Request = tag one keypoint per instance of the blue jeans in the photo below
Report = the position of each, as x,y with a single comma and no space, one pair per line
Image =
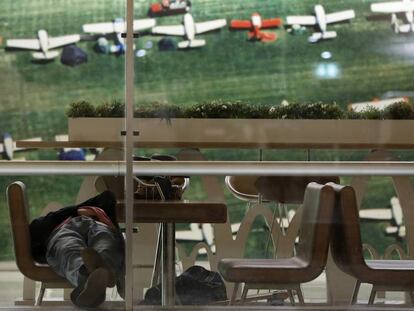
65,244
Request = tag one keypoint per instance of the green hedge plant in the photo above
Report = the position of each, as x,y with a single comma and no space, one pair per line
222,109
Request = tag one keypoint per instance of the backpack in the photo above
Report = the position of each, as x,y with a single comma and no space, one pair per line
195,286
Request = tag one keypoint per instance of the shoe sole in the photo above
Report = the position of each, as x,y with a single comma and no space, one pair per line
93,293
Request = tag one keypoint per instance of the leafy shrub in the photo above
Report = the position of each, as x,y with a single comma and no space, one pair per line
369,113
221,109
114,109
81,109
399,111
159,110
307,111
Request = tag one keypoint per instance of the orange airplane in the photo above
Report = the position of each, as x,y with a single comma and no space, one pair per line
255,24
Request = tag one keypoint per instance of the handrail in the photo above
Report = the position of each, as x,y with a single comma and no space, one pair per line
223,168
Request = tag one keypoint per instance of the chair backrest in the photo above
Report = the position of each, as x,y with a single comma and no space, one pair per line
19,219
243,187
346,244
315,230
288,189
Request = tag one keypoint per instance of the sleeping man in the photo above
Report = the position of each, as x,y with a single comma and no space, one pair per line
83,244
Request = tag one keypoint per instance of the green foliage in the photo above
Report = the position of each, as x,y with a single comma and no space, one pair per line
399,111
307,111
81,108
159,110
114,109
222,109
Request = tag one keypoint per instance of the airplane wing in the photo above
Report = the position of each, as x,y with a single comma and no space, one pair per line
142,24
29,44
240,24
392,7
270,23
177,30
62,40
210,25
101,28
306,20
339,16
375,214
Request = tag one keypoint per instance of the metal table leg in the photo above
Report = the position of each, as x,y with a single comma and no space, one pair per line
168,264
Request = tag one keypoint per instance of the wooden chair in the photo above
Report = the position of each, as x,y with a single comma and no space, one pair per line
306,265
19,219
347,252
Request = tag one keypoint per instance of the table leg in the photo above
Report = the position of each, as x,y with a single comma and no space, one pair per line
168,264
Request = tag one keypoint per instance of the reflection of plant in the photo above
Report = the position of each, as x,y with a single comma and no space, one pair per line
221,109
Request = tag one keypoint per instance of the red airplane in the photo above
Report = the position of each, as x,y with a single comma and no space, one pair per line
255,24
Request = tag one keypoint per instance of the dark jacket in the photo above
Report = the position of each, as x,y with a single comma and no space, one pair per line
42,227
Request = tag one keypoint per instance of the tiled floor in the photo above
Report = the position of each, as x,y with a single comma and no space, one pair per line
11,290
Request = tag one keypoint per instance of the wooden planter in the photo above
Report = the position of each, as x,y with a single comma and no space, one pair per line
250,133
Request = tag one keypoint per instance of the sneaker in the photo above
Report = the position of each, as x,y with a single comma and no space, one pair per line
92,261
92,293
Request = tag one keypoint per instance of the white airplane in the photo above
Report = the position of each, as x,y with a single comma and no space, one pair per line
321,19
393,214
117,27
377,104
189,29
404,6
43,43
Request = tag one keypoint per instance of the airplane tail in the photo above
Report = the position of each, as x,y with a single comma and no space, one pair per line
262,36
319,36
191,44
45,56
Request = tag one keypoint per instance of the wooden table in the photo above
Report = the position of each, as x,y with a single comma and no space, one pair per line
168,213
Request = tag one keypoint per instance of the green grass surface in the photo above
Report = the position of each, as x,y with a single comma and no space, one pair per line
33,97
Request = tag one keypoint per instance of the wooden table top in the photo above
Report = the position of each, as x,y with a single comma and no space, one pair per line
175,211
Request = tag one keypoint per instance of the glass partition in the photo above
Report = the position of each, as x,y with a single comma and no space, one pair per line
212,81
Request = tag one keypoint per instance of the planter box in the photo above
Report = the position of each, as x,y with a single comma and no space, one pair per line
250,133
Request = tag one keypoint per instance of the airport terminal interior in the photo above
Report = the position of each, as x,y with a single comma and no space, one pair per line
207,154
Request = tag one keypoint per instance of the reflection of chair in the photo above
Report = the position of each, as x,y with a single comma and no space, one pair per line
306,265
346,249
19,209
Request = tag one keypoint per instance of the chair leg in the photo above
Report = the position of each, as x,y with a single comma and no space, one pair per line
291,298
355,293
372,296
244,293
411,297
40,295
300,295
234,295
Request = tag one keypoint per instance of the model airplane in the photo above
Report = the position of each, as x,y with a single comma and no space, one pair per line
8,147
376,104
189,29
117,27
43,43
321,19
393,215
404,6
255,24
168,7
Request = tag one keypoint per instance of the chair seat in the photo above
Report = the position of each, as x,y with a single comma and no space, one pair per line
391,264
284,270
